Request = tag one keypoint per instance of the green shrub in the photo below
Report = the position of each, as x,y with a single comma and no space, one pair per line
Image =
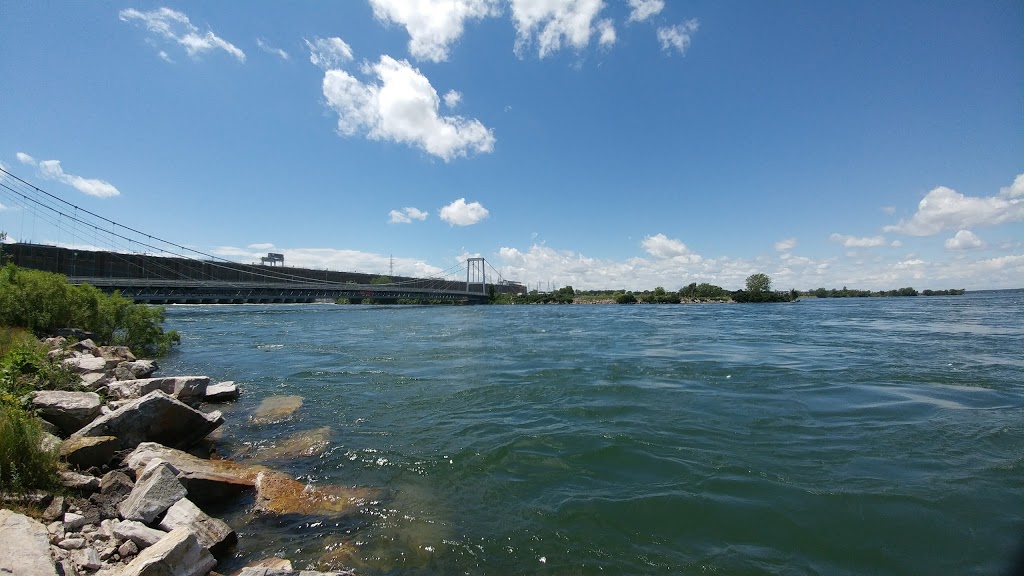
42,302
24,464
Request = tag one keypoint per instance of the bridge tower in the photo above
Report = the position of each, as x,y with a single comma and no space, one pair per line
476,275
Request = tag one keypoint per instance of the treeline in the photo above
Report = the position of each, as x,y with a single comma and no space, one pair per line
852,293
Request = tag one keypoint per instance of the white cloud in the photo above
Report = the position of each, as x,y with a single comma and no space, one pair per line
333,259
52,170
1014,190
165,56
946,209
328,53
176,27
261,246
452,98
606,37
643,9
459,213
896,244
858,242
402,107
661,246
271,50
406,215
3,208
964,240
785,245
552,23
433,25
677,37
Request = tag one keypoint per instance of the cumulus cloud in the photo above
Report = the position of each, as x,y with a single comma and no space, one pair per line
334,259
946,209
452,98
641,10
677,37
174,26
1014,190
661,246
406,215
964,240
52,170
402,106
433,25
328,53
858,242
271,50
785,245
606,36
459,213
554,23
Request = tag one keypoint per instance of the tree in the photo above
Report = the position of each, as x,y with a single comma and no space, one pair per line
759,283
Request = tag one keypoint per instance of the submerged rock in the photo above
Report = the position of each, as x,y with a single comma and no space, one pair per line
301,444
276,409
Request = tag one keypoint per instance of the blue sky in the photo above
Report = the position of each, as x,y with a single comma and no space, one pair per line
599,144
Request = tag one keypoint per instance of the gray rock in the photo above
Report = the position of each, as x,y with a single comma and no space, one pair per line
130,548
49,442
74,521
156,490
222,392
77,481
213,533
135,370
88,559
87,451
177,554
95,380
26,548
56,531
86,364
68,410
86,346
73,543
188,389
143,536
55,510
155,417
116,483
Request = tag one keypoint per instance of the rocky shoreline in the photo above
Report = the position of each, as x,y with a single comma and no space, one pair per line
139,482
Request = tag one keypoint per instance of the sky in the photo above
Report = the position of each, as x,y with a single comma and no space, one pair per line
602,144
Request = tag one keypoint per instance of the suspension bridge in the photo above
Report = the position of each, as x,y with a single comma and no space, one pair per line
115,257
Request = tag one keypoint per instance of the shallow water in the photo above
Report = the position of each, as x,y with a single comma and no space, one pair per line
860,436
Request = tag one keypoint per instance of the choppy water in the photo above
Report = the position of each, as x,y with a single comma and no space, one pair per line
862,436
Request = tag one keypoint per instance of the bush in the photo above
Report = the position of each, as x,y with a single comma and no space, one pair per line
24,464
42,302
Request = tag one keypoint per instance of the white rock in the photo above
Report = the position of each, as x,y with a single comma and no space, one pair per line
177,554
213,533
137,532
155,417
86,364
68,410
156,490
188,389
26,548
73,521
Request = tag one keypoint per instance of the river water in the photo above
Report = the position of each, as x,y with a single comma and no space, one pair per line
855,436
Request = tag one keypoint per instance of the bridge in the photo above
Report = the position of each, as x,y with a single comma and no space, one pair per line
150,270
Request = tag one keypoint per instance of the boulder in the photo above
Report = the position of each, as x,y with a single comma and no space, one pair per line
86,364
143,536
176,554
116,483
86,346
49,442
213,533
135,370
276,409
156,417
69,411
95,380
26,546
77,481
118,353
156,490
221,392
273,563
85,452
188,389
207,481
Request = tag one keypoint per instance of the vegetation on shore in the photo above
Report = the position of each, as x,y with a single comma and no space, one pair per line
35,304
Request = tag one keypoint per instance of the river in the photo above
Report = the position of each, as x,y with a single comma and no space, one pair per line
846,436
